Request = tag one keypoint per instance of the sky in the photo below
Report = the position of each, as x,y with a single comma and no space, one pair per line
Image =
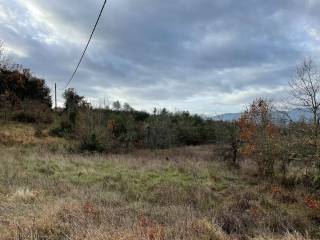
205,56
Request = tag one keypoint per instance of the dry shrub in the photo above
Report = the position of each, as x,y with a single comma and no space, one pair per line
280,220
287,236
239,215
33,112
258,133
7,138
282,195
39,131
46,226
57,222
204,229
246,214
150,229
91,211
189,229
21,134
312,203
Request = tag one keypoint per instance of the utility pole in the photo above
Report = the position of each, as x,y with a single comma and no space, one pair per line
55,96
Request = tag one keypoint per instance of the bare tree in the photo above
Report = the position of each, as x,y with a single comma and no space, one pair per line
305,88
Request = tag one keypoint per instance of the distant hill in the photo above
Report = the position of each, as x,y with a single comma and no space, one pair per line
294,114
228,117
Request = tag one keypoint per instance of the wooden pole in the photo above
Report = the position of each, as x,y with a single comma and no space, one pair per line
55,97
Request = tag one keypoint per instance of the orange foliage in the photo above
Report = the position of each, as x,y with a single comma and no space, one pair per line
89,209
312,203
151,230
111,124
256,121
276,190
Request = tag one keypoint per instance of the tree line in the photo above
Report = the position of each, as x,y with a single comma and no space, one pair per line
122,128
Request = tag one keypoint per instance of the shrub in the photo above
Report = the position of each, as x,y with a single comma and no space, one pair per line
33,112
94,140
90,132
38,130
26,117
160,131
123,130
238,216
258,133
63,130
19,85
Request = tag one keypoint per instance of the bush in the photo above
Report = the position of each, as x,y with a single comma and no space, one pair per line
237,217
119,131
39,130
92,143
33,112
247,213
99,132
63,130
259,133
25,117
18,85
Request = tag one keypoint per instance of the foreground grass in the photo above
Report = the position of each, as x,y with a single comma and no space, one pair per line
180,193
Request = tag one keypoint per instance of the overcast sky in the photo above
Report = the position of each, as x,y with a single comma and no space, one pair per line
205,56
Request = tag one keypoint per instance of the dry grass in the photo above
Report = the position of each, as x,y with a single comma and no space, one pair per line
24,134
182,193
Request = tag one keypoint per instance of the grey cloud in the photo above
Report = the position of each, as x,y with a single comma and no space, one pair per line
166,52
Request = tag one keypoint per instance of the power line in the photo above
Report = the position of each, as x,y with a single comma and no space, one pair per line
84,52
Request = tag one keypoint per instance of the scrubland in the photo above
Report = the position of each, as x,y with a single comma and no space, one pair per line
48,192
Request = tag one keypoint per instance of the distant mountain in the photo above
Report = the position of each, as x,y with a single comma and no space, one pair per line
300,114
294,115
227,117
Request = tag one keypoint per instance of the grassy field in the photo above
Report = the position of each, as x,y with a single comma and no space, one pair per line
47,192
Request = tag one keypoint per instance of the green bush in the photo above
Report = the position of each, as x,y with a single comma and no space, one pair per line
122,130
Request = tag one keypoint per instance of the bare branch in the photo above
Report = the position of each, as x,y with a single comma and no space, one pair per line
305,89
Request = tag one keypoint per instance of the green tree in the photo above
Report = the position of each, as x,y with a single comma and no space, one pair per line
73,103
116,106
127,108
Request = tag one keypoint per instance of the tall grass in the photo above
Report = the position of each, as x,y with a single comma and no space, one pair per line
182,193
